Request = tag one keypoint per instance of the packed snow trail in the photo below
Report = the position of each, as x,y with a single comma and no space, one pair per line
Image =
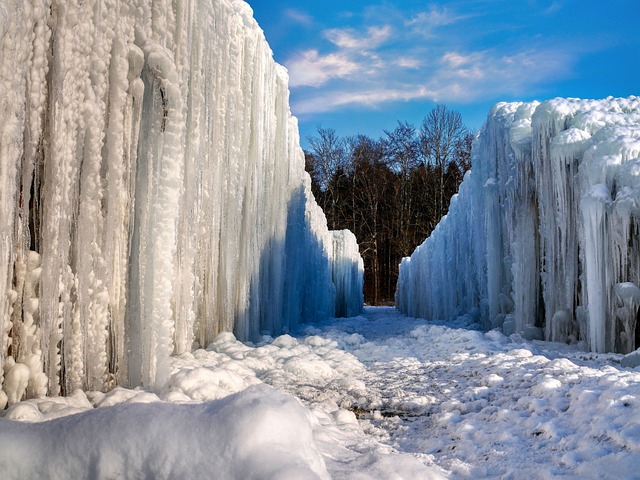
383,396
482,405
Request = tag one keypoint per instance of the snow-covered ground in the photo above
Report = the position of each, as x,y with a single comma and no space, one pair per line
382,396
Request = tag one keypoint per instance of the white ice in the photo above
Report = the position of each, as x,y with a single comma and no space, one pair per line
152,193
544,230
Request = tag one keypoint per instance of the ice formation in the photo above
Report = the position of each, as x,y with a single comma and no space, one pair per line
543,237
152,193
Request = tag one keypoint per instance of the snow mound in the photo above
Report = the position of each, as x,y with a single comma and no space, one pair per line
256,434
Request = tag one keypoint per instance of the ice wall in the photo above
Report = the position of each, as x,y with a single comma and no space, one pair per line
348,275
152,193
543,237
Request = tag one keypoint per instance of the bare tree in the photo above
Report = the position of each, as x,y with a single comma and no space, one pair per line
441,132
401,148
463,151
328,152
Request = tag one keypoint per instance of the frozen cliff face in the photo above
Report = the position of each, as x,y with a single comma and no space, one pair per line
544,235
152,192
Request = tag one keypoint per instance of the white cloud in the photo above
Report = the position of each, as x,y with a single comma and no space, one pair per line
424,22
349,39
313,70
369,98
546,8
466,77
457,77
355,54
377,65
553,8
469,67
455,59
298,16
408,62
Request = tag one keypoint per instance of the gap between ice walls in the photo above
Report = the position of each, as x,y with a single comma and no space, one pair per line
543,237
152,193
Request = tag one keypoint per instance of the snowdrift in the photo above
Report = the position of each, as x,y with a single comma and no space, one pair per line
152,193
543,237
255,434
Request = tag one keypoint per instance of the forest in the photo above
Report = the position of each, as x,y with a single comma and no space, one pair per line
391,192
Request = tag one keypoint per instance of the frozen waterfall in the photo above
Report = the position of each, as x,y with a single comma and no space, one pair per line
152,193
543,237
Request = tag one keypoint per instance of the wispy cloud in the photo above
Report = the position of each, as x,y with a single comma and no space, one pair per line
349,39
355,54
370,98
408,62
468,76
435,17
298,16
394,60
553,8
546,7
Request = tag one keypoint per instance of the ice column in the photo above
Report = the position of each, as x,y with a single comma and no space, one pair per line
348,271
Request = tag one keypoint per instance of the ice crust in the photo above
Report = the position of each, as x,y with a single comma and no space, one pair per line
152,193
545,230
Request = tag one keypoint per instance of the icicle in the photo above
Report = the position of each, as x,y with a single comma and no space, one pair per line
594,210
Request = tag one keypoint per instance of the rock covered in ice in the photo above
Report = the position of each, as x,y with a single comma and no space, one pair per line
545,229
150,158
569,143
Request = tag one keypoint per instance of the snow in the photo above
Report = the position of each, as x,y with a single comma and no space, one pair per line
544,228
380,395
152,194
268,435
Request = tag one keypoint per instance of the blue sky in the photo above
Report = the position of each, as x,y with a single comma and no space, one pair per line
358,66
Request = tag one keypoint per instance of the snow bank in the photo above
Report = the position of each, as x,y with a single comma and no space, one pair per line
543,236
152,193
256,434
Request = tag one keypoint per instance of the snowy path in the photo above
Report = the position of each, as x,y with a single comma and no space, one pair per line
485,406
383,396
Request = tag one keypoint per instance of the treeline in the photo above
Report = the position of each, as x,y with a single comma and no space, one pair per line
390,192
